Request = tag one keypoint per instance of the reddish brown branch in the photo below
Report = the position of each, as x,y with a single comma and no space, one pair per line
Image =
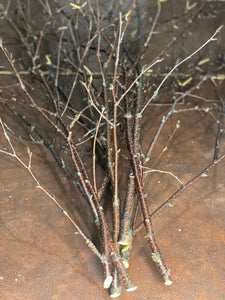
156,255
183,188
219,131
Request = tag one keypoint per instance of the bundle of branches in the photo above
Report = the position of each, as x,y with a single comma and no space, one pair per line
96,91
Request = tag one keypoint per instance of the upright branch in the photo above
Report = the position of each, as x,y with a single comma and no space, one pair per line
111,112
116,202
219,131
110,251
156,255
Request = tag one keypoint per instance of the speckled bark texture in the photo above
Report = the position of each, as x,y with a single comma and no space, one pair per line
41,255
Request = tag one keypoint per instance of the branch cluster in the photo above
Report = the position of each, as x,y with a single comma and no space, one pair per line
102,108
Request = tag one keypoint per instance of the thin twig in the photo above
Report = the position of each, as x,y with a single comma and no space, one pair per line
39,186
184,187
180,63
219,131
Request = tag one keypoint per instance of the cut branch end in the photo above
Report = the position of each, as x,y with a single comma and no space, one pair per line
131,289
107,282
168,282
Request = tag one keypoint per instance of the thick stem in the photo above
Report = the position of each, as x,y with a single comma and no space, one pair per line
126,231
124,276
115,288
95,204
116,204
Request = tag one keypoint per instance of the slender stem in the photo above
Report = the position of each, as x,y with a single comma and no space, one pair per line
93,151
94,202
116,204
85,182
159,129
219,131
36,54
156,255
147,42
183,188
166,146
166,117
52,197
180,63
